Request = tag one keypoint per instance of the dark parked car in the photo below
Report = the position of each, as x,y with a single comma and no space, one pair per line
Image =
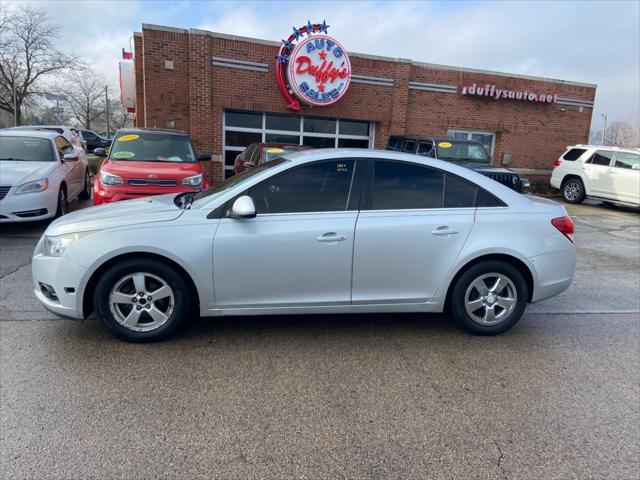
468,153
259,153
94,140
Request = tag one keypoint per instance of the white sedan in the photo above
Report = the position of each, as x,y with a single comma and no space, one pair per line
320,231
40,172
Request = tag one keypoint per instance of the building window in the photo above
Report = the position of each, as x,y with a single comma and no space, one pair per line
244,128
487,139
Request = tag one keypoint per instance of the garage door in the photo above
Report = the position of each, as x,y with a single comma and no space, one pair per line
244,128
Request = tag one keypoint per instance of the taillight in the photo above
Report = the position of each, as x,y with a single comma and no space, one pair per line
557,163
565,226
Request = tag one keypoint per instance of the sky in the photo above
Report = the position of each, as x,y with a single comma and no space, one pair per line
587,41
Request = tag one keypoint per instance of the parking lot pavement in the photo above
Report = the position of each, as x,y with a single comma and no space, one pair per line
375,396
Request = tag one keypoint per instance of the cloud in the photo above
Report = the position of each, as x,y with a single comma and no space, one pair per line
592,42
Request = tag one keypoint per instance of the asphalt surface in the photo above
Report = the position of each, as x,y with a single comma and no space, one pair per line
368,396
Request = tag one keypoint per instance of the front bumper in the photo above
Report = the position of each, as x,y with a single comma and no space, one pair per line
102,194
29,206
65,278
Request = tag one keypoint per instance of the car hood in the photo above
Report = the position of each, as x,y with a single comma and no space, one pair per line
16,173
160,170
118,214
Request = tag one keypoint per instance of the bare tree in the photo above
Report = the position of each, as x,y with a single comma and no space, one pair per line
27,54
119,117
84,93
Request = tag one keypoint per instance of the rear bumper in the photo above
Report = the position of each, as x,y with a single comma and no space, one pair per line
554,271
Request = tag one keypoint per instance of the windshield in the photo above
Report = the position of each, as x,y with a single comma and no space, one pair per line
237,180
461,151
152,147
271,153
26,149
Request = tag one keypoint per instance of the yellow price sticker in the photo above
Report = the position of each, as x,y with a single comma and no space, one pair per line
445,145
275,150
126,138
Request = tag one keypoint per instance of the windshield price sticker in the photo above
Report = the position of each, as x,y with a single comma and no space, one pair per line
127,138
445,145
124,154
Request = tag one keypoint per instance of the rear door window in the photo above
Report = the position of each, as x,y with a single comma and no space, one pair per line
403,185
425,148
409,146
601,157
574,154
459,193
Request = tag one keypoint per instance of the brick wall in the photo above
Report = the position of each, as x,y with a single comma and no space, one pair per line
195,93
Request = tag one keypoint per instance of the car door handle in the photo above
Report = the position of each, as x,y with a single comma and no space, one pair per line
444,230
613,172
331,237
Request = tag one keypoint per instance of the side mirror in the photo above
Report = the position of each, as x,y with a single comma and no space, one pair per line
99,152
635,166
243,207
248,164
205,157
70,157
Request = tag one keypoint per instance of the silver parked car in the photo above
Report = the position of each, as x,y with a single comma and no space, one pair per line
320,231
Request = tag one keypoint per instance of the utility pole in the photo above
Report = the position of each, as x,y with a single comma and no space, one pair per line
57,110
15,102
604,128
106,100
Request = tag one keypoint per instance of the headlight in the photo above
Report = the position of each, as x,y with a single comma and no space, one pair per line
193,181
110,178
33,187
55,246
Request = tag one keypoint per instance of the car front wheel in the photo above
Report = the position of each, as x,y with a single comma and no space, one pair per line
489,298
63,204
573,190
142,300
85,194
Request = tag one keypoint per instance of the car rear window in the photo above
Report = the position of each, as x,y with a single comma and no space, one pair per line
26,149
574,154
152,147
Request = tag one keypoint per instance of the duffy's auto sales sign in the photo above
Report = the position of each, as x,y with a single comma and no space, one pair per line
313,67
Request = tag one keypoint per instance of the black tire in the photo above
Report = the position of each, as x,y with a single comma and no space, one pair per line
573,190
461,291
181,309
85,194
63,203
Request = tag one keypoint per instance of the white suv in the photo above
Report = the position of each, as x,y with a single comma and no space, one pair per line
610,174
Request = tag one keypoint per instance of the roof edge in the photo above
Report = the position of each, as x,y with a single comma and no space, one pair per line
435,66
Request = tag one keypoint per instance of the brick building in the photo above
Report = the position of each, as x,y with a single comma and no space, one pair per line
222,90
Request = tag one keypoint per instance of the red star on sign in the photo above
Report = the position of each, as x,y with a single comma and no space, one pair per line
321,88
323,54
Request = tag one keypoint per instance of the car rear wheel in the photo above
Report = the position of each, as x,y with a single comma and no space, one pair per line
489,298
142,300
85,194
573,190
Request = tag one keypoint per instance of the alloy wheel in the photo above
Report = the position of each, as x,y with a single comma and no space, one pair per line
572,191
141,301
490,299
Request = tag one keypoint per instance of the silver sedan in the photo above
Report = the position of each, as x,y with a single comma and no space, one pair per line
320,231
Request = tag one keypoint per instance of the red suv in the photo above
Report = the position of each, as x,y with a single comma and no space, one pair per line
144,162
